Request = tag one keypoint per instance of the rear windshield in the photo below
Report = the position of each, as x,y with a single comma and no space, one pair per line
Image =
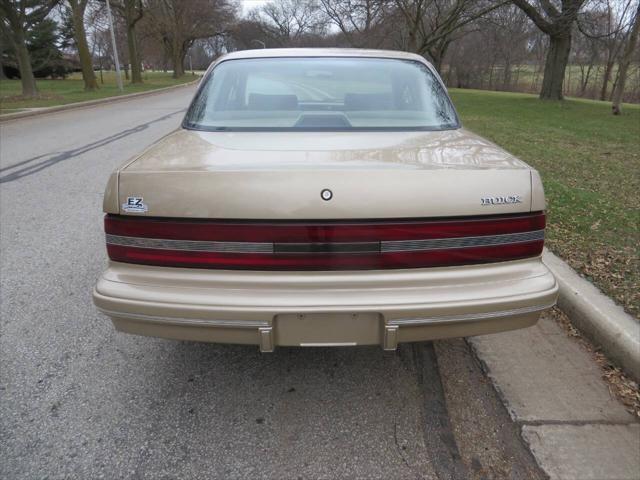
275,94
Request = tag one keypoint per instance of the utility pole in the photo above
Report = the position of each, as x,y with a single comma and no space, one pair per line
115,48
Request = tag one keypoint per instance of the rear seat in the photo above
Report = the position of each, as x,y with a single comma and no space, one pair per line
258,101
368,101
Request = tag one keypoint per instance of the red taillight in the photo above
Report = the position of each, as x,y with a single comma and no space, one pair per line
338,245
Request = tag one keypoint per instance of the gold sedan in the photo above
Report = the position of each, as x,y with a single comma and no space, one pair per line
324,197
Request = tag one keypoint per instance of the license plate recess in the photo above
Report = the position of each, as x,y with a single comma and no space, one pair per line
328,329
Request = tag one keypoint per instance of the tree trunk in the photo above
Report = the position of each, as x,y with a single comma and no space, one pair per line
606,77
555,67
86,62
585,80
491,75
437,54
437,61
506,78
625,61
27,79
412,40
614,85
132,44
178,62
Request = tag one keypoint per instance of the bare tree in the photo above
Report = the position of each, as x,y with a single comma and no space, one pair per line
606,23
586,53
131,12
250,33
507,31
178,23
360,21
17,18
432,24
556,19
468,66
78,9
613,42
291,19
506,36
624,64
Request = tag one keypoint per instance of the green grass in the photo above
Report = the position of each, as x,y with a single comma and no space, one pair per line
71,90
590,165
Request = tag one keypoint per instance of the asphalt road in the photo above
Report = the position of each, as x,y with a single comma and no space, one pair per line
79,400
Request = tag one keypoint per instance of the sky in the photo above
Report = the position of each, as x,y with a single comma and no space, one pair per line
248,5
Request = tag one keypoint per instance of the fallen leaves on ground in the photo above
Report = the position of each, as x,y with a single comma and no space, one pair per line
620,385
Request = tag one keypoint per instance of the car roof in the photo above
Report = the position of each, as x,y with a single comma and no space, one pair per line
319,52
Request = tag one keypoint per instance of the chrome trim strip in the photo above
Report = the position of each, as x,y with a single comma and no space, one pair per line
461,242
327,247
329,344
468,316
190,245
187,321
398,322
386,246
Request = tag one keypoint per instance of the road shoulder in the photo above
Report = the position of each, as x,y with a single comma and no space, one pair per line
489,442
33,112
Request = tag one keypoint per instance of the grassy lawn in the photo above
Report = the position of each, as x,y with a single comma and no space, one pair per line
590,166
529,79
70,90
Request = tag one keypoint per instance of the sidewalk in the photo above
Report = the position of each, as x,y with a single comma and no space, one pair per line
553,390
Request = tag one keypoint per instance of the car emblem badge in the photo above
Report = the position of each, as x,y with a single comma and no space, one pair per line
501,200
326,194
134,204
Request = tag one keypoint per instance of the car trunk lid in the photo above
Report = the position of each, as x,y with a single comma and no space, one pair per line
280,175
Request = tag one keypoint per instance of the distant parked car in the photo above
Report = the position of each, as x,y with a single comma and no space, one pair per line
323,198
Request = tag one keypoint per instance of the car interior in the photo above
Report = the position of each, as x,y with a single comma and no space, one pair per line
331,97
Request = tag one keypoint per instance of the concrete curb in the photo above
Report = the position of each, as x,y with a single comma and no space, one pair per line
597,316
90,103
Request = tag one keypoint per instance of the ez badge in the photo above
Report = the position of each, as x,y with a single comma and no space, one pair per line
134,204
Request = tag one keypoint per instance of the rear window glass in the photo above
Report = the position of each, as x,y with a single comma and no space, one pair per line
321,94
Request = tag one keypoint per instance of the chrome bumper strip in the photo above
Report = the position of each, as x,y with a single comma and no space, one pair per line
186,321
399,322
412,322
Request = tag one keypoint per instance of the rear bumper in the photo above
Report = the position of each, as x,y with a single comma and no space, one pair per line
325,308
